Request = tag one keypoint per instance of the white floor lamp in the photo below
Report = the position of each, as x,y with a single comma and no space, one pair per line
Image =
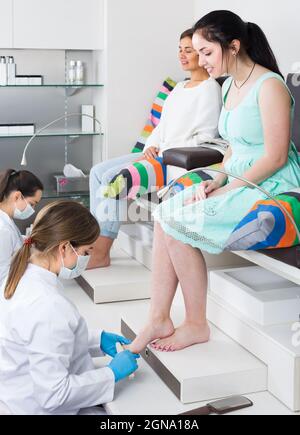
64,117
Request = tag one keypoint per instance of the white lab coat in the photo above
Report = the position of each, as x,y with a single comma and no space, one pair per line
46,351
11,241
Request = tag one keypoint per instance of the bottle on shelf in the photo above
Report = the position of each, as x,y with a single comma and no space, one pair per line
87,122
3,71
79,72
71,78
11,71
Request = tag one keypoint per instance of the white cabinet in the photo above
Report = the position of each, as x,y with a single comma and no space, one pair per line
6,28
59,24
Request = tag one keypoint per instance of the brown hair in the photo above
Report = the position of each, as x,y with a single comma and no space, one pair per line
187,34
58,222
18,181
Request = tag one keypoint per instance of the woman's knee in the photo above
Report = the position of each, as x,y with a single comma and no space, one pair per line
170,241
97,172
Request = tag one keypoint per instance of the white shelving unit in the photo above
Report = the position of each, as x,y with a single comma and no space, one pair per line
72,134
59,97
52,24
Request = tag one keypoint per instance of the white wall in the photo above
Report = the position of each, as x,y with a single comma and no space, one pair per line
141,51
279,20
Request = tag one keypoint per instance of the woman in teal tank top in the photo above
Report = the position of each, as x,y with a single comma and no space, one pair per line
256,121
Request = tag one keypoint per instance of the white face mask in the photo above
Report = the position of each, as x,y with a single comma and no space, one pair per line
24,214
81,265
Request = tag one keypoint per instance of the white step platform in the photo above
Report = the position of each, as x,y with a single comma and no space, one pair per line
147,394
213,370
259,294
278,346
124,280
137,240
285,270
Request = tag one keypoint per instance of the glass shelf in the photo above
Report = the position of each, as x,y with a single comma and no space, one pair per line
81,197
57,85
52,194
64,133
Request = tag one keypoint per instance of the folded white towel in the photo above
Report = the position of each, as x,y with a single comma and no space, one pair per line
217,143
71,171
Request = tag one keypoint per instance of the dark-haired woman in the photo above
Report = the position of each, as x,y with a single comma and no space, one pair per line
20,192
256,121
190,115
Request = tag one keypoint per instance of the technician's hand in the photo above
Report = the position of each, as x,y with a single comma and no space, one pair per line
124,364
109,343
202,192
151,153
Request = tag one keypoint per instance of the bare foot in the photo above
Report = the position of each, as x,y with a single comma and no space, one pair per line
98,262
101,253
186,335
153,331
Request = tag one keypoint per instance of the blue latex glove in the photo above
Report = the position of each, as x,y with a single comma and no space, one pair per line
109,341
124,364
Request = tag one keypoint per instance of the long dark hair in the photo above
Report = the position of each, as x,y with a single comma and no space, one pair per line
18,181
225,26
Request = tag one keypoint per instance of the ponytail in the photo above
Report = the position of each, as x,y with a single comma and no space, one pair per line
18,181
56,223
225,26
259,50
4,183
17,269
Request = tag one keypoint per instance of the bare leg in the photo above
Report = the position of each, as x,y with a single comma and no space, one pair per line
164,285
101,253
191,269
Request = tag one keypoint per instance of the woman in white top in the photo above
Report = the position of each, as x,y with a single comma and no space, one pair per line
45,347
20,192
190,115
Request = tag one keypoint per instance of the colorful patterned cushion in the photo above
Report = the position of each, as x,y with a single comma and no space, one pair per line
266,226
155,114
146,176
193,178
137,179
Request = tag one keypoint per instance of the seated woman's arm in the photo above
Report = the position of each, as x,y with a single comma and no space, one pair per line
209,187
275,105
154,139
221,178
